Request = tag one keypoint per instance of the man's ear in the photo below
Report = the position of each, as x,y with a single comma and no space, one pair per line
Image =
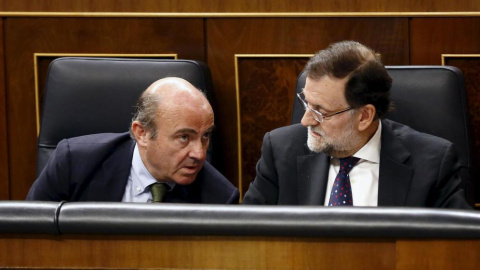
140,133
366,116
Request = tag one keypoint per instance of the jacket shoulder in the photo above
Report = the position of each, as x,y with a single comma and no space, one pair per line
100,138
288,140
214,187
408,134
95,143
294,134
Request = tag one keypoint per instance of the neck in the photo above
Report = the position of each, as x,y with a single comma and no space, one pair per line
370,131
363,138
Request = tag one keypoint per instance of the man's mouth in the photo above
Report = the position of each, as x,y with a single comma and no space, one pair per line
315,134
190,169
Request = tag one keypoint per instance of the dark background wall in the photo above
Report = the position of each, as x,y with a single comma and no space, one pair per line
255,49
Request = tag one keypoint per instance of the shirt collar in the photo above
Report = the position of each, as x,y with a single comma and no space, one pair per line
141,177
371,150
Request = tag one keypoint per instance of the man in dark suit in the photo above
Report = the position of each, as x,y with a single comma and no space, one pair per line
167,144
347,92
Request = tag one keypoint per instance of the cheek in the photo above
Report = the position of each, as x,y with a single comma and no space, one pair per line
335,130
174,155
154,156
157,153
324,131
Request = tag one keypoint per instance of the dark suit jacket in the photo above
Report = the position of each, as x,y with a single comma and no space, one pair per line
96,168
416,169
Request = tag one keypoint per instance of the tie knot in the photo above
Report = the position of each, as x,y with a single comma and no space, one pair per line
158,190
346,164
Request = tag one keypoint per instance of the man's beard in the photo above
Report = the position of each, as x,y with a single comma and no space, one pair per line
335,147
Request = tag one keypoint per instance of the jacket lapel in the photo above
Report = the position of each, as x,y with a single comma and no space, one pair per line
108,184
395,176
312,177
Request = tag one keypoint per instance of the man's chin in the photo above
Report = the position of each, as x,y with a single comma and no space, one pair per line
315,148
314,144
186,179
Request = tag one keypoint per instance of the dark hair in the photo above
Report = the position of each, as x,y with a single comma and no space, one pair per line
368,83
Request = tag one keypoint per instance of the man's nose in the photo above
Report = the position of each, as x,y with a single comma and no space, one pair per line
308,119
198,151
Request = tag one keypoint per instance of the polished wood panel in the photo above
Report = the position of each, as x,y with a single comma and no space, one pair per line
240,6
228,37
4,183
438,254
266,95
432,37
207,252
199,252
24,37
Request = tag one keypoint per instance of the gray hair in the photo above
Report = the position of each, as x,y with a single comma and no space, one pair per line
146,112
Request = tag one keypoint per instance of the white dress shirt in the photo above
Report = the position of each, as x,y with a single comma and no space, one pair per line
364,175
139,181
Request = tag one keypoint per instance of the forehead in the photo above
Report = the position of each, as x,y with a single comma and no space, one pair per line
181,116
327,91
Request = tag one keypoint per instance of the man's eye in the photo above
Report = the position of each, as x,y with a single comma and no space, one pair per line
207,135
313,107
183,138
318,109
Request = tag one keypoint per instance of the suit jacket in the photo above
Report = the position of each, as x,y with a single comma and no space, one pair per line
416,169
97,167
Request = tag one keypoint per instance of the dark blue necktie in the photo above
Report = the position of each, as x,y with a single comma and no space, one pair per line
342,191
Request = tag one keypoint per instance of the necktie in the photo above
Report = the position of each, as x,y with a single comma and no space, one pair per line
341,190
158,190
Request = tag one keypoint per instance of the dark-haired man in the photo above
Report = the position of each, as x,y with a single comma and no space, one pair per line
162,159
344,153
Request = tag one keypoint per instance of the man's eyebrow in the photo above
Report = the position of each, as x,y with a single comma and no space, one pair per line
318,106
192,131
186,130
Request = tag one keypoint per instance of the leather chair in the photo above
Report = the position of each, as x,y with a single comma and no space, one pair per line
96,95
430,99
